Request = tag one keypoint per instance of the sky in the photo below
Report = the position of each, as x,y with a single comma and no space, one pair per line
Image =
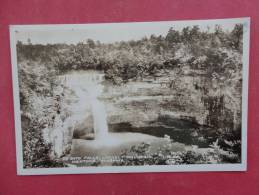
108,32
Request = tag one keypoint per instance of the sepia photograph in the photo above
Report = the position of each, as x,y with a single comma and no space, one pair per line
167,96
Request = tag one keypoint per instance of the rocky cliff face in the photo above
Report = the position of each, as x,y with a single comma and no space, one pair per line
145,101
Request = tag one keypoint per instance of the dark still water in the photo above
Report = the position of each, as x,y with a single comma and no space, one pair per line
184,131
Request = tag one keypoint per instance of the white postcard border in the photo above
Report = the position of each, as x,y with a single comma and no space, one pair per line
130,169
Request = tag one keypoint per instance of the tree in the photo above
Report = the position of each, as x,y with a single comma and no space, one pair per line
91,43
173,36
195,33
185,35
236,37
29,41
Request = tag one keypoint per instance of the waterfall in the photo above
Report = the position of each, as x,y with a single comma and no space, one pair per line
100,121
94,89
88,87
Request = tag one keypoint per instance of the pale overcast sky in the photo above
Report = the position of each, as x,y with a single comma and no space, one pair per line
108,32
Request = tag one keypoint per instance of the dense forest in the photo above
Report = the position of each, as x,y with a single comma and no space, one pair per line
138,58
214,55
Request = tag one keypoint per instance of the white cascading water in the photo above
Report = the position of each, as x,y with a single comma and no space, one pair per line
94,89
88,88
